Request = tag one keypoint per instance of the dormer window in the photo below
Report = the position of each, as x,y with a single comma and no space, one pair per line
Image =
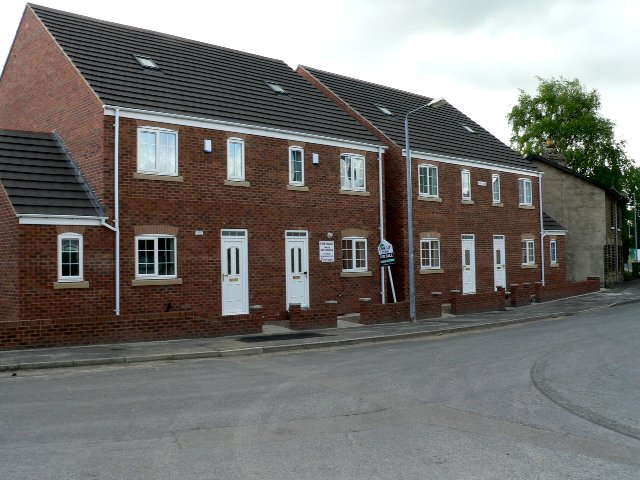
385,110
277,88
146,62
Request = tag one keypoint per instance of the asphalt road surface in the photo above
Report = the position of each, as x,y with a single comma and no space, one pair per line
551,399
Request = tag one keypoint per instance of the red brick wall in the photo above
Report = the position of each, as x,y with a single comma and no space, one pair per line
9,305
479,302
566,289
40,90
555,274
376,313
266,209
522,294
322,316
110,329
38,270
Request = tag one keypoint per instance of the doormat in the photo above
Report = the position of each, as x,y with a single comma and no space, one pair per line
282,336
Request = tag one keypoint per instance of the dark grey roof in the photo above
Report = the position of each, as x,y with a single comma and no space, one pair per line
40,178
439,131
612,191
194,78
549,224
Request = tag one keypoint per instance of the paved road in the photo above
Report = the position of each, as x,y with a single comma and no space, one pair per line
553,399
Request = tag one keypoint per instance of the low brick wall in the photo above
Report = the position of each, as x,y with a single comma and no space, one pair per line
566,289
325,316
521,294
22,334
376,313
477,302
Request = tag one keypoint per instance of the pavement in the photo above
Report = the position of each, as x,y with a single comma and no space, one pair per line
281,340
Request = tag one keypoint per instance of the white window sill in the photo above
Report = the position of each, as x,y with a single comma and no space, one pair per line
143,282
498,204
158,177
237,183
526,207
74,284
468,202
429,271
355,274
554,265
355,192
298,188
529,265
424,198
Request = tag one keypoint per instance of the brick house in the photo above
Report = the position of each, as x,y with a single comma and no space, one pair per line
476,204
592,214
231,173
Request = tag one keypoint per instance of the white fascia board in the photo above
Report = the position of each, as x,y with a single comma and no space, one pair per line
554,232
35,219
189,121
471,163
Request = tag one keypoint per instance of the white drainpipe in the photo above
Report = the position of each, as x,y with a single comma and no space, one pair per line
382,279
541,226
116,205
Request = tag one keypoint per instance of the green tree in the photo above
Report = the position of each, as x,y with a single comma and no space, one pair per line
569,114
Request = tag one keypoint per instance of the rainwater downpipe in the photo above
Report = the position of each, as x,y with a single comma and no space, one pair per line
541,227
382,279
116,204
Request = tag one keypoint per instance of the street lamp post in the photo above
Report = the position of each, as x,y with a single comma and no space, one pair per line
435,103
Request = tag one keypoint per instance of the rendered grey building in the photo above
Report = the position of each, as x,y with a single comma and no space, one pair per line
591,212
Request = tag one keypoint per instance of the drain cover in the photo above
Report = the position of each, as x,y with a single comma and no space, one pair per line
281,336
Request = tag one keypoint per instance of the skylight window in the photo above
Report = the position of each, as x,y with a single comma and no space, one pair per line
146,62
385,110
277,88
468,128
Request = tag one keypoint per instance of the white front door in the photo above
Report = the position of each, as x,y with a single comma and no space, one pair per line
297,265
468,264
499,262
235,273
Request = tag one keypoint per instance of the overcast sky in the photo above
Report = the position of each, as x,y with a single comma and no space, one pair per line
475,53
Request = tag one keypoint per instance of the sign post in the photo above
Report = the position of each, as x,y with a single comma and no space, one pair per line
387,258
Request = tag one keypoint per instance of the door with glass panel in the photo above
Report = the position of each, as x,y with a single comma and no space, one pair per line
468,264
499,262
297,266
235,272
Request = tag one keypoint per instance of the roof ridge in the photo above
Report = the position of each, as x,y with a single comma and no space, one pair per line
155,32
367,82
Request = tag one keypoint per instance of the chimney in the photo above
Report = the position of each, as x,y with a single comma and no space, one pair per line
551,153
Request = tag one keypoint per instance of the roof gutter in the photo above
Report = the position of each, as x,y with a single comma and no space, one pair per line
471,162
43,219
137,113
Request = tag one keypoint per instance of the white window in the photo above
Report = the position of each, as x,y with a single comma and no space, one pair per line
553,251
235,159
354,254
495,187
70,253
296,166
528,252
466,185
156,256
524,189
428,180
352,172
157,151
429,253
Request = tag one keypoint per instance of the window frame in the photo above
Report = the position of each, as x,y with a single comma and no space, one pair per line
495,180
352,187
240,141
553,252
522,192
528,252
466,173
428,193
155,275
291,170
431,242
80,276
353,249
157,131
